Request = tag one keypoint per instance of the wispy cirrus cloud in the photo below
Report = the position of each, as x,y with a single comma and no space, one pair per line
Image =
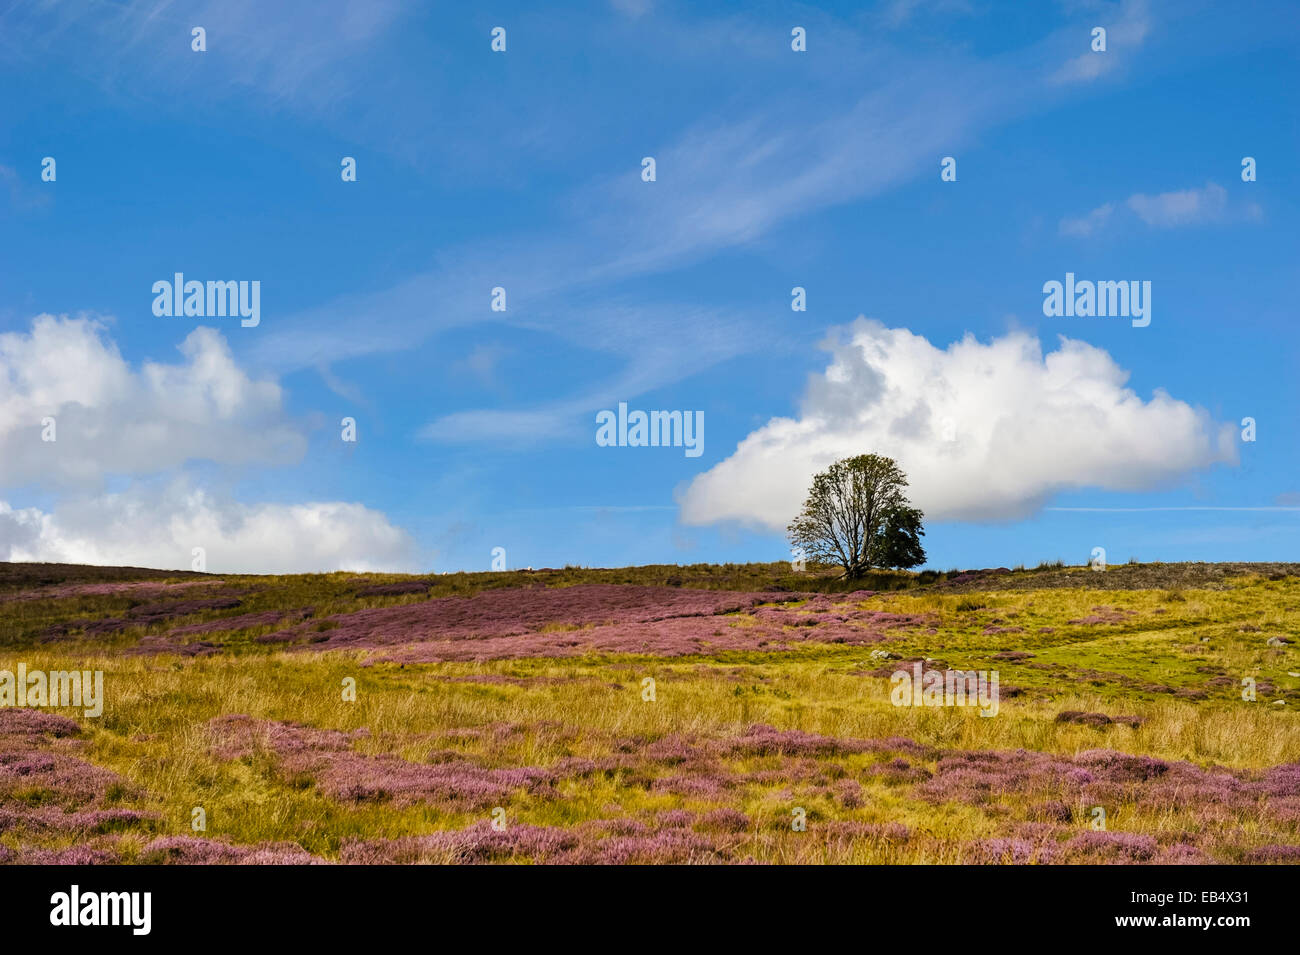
1127,27
897,13
650,347
1089,223
723,183
289,52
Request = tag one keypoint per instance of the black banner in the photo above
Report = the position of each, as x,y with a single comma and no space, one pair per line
305,904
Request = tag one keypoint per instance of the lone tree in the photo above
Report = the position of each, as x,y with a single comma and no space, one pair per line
856,516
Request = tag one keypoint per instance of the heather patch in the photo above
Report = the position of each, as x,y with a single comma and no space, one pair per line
25,724
142,616
1110,847
154,644
588,844
724,820
1053,845
37,768
1103,616
188,850
326,757
1012,851
47,791
686,636
1063,787
53,819
71,855
517,611
246,621
505,624
140,589
1096,719
36,778
1274,854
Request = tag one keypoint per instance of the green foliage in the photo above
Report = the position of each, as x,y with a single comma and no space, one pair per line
899,542
857,517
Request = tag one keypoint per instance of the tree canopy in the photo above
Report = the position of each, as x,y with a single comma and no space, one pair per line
857,516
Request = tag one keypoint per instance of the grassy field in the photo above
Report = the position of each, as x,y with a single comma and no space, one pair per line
507,717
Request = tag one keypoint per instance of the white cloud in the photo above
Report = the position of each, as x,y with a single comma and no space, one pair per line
984,431
725,181
1083,68
1167,210
1125,34
650,347
1188,207
151,527
1088,224
295,51
112,419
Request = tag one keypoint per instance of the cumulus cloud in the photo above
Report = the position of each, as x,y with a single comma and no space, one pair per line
112,419
984,431
151,527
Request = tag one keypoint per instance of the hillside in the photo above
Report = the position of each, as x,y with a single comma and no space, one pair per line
655,714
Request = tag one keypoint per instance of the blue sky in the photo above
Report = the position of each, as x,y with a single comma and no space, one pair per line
523,169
